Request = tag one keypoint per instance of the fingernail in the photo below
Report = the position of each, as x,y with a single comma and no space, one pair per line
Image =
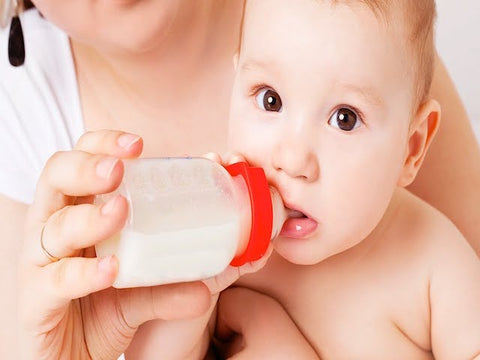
106,166
109,206
105,263
127,140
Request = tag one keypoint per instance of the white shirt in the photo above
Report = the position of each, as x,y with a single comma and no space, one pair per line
40,110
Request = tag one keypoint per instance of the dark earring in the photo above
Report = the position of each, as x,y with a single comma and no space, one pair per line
16,43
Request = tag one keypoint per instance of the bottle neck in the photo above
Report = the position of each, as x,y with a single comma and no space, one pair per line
267,212
278,209
279,212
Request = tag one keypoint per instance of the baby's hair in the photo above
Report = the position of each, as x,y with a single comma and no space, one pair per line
418,17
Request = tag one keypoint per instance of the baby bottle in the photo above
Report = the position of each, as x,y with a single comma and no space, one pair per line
189,218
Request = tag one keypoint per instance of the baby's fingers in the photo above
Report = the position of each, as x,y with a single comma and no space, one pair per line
227,159
214,157
234,158
232,273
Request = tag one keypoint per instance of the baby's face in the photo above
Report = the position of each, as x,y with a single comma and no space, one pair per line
322,101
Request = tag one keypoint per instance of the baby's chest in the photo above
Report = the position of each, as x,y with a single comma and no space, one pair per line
350,315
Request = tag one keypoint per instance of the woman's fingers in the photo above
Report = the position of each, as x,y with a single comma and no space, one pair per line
55,285
74,228
111,142
166,302
92,168
70,174
73,278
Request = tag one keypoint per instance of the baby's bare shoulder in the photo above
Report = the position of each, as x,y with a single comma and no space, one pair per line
453,271
419,229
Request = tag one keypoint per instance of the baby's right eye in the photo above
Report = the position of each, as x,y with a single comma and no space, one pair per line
269,100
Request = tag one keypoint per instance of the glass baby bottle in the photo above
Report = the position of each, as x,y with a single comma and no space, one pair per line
189,218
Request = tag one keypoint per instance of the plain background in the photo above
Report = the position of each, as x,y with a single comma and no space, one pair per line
458,43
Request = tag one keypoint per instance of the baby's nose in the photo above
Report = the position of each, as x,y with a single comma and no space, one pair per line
297,160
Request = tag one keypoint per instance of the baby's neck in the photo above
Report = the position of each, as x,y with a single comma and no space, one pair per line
384,229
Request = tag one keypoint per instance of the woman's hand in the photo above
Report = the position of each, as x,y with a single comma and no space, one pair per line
251,325
68,308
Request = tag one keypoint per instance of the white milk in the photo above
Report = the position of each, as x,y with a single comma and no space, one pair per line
172,256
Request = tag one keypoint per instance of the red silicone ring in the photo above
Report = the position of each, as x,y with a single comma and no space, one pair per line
262,211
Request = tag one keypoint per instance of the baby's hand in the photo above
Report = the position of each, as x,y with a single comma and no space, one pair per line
251,325
228,159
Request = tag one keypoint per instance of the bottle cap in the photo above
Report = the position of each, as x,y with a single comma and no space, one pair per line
262,211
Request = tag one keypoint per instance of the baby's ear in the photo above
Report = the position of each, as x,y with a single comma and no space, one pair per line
421,132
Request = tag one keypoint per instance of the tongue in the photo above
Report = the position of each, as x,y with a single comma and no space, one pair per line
298,227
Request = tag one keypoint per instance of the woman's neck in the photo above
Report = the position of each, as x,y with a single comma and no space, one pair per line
200,37
193,63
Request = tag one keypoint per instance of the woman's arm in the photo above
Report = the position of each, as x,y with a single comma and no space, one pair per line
450,176
12,215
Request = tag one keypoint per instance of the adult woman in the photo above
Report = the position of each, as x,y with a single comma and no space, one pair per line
168,73
141,78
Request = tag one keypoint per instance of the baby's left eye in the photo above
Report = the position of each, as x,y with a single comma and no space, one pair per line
345,119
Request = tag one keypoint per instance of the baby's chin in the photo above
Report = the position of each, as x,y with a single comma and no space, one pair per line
300,251
310,251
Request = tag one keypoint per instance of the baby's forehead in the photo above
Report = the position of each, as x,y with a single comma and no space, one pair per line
349,17
308,44
309,30
408,25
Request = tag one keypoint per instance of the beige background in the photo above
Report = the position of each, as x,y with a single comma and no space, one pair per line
458,42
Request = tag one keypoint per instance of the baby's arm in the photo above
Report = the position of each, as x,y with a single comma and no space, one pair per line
455,299
251,325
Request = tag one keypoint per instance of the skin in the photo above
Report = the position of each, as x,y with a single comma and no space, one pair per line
376,247
121,78
93,60
76,313
257,318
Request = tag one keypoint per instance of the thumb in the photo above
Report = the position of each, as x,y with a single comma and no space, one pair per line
166,302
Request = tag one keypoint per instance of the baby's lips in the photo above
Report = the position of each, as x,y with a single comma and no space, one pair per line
298,227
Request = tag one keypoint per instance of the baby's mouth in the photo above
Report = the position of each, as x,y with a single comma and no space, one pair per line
295,214
298,225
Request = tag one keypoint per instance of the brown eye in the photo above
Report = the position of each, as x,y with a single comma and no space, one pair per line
344,119
269,100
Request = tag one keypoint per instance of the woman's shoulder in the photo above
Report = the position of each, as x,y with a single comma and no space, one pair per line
39,102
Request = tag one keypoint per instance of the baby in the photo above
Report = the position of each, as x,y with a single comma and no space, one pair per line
331,99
